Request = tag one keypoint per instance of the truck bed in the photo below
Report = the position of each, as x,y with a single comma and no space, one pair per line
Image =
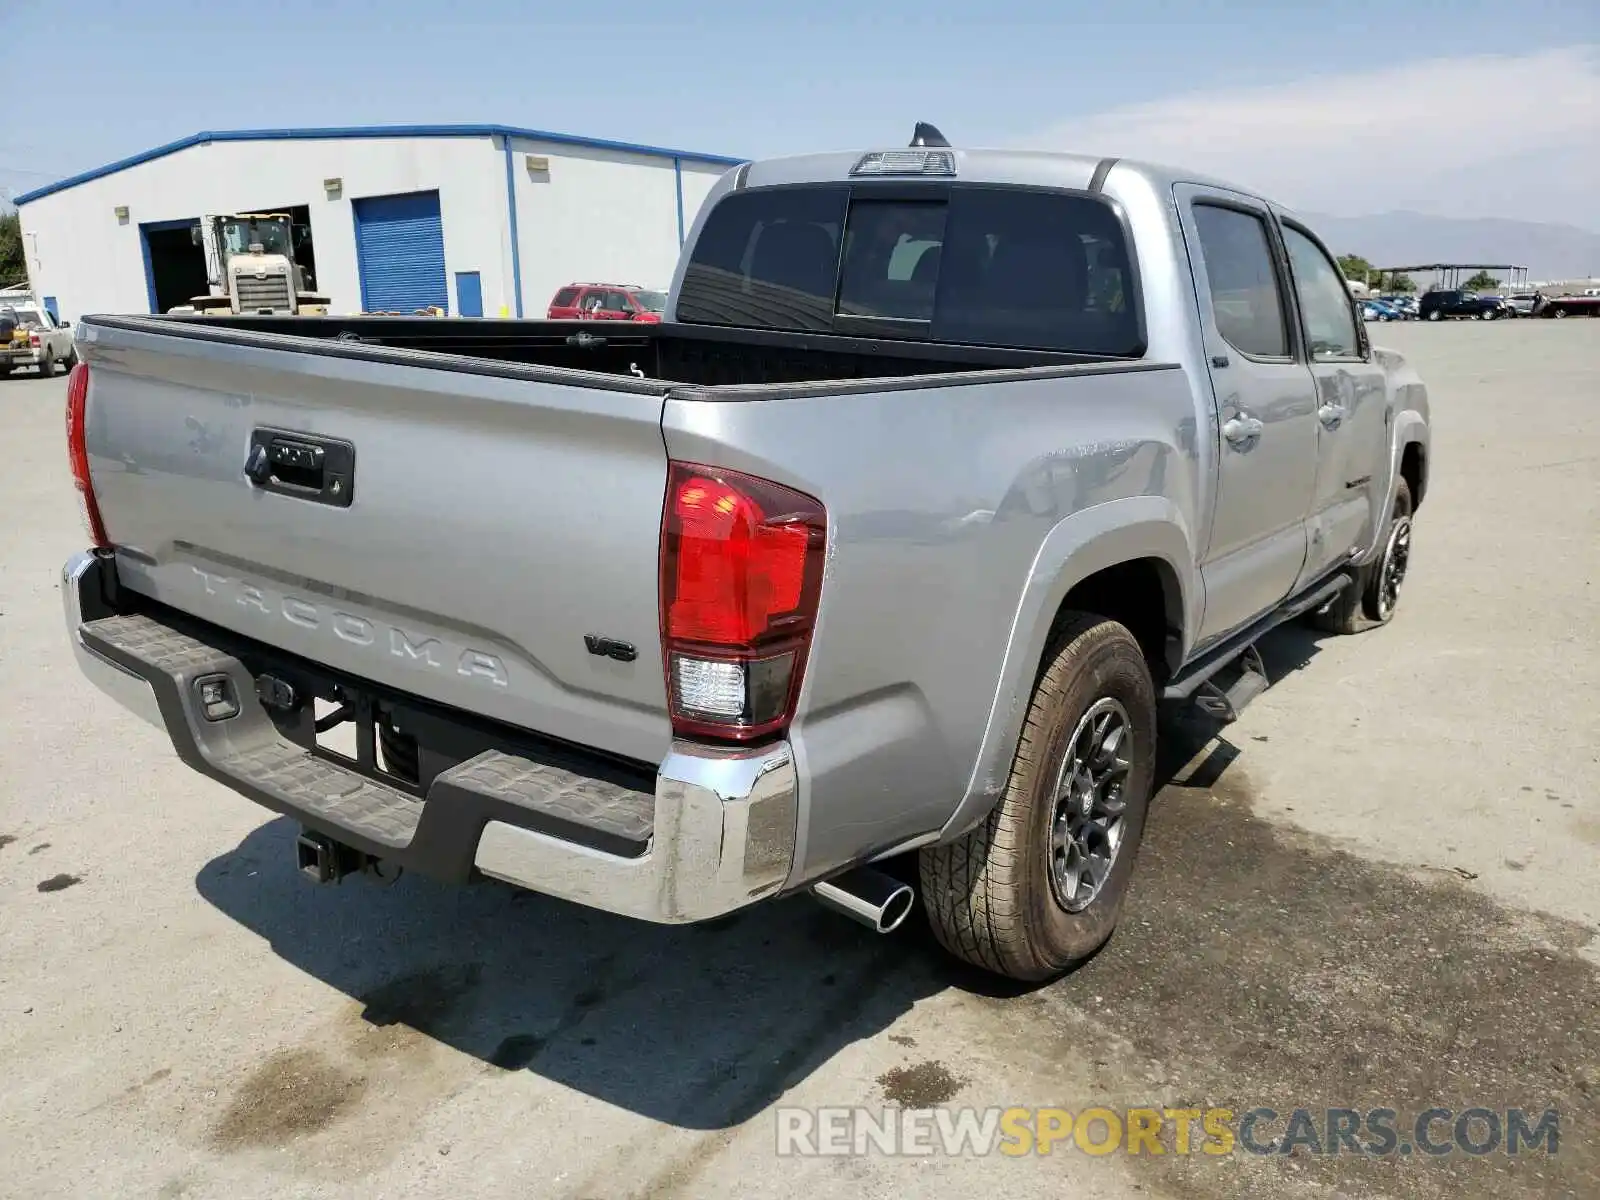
672,353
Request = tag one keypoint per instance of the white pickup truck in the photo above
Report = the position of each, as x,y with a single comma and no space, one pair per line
31,337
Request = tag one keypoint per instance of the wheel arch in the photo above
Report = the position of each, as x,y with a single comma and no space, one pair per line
1131,560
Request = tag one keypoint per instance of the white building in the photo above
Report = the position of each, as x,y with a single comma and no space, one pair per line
479,219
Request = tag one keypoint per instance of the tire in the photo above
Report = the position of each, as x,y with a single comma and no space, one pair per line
994,897
400,751
1559,313
1435,315
1490,315
71,360
1381,591
47,368
1342,614
1362,604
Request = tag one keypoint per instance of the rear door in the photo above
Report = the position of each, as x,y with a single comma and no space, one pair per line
1265,400
1352,407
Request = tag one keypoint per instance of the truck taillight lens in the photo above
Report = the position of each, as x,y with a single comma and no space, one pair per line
33,340
78,453
741,576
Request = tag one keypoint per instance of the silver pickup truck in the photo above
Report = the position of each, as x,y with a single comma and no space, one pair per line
943,470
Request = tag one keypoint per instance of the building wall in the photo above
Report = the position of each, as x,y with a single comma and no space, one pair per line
594,214
599,216
80,253
698,179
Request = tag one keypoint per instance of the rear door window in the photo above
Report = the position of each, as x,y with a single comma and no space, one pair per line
1246,302
564,298
979,265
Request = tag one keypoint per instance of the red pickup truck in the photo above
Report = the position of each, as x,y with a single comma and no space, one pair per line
607,302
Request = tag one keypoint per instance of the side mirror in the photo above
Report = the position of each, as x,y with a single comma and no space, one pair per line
66,324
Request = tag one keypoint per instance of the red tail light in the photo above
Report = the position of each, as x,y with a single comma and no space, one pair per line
78,453
741,575
33,340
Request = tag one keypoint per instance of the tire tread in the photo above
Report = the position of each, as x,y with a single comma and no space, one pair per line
971,886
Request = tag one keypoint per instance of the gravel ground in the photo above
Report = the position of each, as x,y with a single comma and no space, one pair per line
1377,889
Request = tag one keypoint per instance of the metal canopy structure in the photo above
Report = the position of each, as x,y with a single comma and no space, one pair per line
1450,274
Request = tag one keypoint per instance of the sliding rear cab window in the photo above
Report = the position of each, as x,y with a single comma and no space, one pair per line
977,265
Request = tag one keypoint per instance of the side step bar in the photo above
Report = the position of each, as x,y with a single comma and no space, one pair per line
1226,705
1195,684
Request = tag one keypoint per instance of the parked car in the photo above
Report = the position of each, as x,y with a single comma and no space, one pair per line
849,558
1586,305
1522,304
1377,310
1455,303
1404,304
31,337
607,302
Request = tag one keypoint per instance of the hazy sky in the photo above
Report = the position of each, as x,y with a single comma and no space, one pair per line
1456,107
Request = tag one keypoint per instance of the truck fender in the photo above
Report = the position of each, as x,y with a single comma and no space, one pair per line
1410,427
1086,542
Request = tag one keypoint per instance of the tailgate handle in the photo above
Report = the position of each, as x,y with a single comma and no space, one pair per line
303,466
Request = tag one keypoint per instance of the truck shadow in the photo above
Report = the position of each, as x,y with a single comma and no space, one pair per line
701,1027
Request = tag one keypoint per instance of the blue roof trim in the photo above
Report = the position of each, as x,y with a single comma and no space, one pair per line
371,131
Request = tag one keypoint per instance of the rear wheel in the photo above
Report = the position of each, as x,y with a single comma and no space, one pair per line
1039,885
47,366
1490,315
1559,313
1435,315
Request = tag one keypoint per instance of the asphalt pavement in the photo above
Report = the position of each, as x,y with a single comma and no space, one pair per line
1378,889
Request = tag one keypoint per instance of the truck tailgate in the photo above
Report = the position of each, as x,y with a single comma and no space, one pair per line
497,516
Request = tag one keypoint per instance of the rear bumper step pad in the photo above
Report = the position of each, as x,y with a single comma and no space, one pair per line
717,833
437,836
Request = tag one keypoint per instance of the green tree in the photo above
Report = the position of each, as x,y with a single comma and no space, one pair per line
13,265
1401,282
1355,267
1481,282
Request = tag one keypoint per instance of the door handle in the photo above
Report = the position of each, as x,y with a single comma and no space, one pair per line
1331,415
305,466
1242,431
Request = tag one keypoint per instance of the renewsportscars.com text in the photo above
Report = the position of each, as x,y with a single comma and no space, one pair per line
1017,1132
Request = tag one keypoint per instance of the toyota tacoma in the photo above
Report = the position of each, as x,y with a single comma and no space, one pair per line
943,470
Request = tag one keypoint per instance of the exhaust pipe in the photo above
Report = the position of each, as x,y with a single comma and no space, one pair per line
880,902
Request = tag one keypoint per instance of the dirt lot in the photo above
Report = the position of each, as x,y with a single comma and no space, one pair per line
1378,889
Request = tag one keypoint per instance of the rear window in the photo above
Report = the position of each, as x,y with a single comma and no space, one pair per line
564,298
968,264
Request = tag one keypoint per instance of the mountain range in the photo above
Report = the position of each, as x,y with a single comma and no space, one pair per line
1550,252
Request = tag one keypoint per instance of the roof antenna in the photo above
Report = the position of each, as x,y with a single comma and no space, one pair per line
927,135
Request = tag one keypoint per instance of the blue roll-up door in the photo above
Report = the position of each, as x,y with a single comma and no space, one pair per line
400,252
